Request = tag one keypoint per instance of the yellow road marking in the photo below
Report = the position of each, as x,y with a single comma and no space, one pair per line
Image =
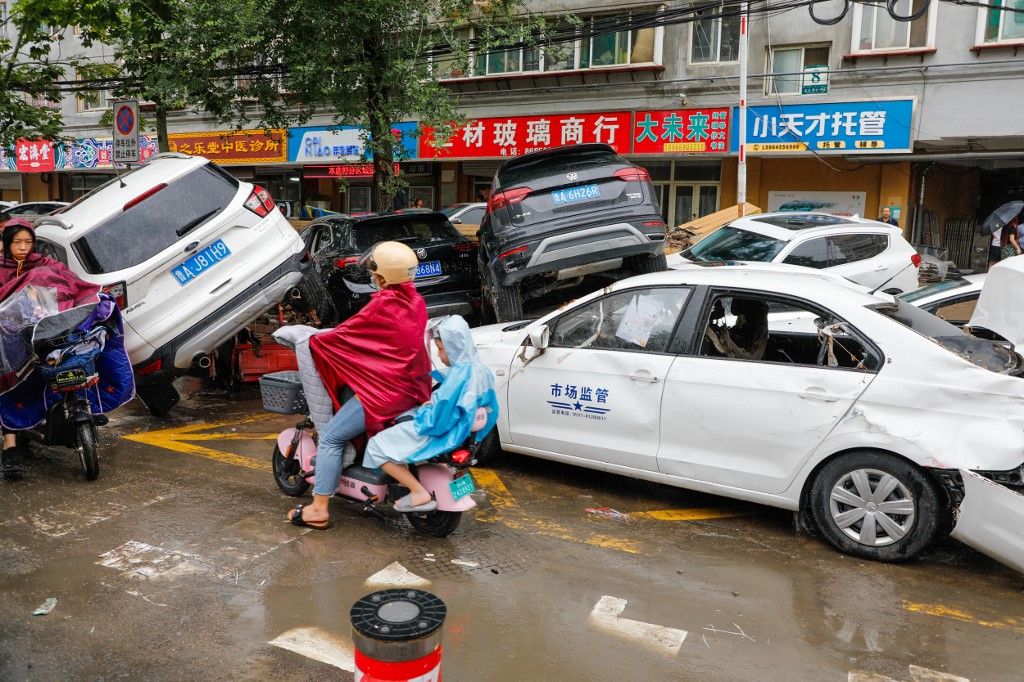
181,439
701,514
943,611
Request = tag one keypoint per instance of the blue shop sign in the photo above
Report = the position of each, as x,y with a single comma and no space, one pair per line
342,144
830,127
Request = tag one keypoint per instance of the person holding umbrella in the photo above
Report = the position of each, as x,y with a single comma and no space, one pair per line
1004,226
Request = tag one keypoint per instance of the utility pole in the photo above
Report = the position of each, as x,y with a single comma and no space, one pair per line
741,166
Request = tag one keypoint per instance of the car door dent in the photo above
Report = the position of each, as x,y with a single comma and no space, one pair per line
991,520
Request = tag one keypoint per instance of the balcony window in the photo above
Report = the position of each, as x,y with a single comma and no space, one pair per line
998,24
874,29
787,64
715,39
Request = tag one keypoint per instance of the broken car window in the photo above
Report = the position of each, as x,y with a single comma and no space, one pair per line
732,243
633,320
763,329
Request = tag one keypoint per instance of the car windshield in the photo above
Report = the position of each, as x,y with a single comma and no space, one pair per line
932,289
453,209
415,231
732,243
981,352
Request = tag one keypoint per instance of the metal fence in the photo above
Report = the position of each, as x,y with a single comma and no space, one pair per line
967,248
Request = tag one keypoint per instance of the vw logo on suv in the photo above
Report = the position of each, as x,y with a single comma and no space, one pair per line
572,177
421,253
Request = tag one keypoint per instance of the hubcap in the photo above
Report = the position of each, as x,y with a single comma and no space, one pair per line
872,507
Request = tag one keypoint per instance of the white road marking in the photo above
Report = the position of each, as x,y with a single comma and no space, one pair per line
917,674
319,645
470,564
607,616
396,575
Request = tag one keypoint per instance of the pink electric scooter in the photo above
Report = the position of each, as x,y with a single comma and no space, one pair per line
446,475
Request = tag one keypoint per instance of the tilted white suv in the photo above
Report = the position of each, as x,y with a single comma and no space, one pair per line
192,255
868,252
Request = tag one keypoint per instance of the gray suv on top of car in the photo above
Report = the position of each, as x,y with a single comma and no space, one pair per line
557,215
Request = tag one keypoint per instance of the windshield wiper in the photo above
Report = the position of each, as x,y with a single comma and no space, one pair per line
185,229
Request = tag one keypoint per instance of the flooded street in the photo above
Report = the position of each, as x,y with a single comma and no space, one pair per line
177,563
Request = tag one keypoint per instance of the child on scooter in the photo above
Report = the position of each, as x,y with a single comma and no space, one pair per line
445,422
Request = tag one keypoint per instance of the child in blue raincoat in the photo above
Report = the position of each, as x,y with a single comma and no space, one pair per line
445,422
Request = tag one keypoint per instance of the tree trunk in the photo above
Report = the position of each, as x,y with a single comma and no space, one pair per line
379,127
161,127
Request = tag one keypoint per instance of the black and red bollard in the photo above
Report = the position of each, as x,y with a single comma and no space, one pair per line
397,634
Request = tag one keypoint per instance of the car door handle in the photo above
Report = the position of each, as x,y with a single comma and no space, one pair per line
221,286
818,393
643,377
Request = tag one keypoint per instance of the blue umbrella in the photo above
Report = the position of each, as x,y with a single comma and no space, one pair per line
1002,215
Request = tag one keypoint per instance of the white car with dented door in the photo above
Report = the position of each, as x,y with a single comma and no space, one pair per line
774,385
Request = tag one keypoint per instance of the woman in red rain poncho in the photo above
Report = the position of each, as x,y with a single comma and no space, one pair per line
380,353
21,267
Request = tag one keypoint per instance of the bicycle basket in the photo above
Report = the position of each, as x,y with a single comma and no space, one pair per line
282,393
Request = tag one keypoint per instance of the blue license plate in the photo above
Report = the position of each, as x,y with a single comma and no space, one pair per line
428,269
201,262
575,194
462,486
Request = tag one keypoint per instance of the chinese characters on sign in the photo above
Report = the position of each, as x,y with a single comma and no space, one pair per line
34,156
232,147
837,126
517,135
581,402
681,130
126,131
343,170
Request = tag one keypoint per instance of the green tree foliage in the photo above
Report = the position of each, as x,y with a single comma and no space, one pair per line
32,68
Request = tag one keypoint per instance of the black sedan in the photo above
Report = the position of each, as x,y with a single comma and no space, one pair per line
447,276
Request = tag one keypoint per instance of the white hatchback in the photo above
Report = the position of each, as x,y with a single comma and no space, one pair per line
192,255
775,385
867,252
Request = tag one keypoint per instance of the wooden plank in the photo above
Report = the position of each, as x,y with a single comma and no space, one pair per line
688,234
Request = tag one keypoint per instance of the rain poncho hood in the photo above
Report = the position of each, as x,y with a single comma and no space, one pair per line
380,354
447,420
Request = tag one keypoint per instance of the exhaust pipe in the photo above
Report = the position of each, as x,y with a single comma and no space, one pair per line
201,361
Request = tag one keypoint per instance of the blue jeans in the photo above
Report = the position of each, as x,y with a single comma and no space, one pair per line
345,425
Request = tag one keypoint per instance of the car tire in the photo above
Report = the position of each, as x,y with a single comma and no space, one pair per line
508,302
908,522
158,398
644,264
489,450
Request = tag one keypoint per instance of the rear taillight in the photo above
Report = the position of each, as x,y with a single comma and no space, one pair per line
632,174
464,247
150,367
119,291
916,260
145,195
461,456
512,252
346,261
514,195
654,223
260,202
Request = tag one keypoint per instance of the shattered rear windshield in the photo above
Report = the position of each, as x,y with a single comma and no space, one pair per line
981,352
732,243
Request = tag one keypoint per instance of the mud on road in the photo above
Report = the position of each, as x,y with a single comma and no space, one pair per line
177,564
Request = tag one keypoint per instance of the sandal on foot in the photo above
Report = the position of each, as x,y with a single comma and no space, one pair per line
11,464
405,505
297,520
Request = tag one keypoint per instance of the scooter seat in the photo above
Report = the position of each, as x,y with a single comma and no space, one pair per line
367,475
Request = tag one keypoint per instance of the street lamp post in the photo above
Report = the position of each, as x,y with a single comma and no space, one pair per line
741,166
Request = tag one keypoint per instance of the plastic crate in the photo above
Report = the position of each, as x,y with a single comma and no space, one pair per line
273,357
282,393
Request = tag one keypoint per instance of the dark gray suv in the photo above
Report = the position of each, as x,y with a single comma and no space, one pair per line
558,215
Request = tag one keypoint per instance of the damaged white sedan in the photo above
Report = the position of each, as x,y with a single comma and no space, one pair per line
777,386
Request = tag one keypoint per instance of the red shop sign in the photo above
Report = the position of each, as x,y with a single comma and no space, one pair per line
681,131
517,135
33,156
342,170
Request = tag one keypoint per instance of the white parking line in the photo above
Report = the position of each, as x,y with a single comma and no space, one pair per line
396,575
319,645
607,616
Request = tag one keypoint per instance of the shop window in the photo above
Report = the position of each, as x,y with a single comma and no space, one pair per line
1001,21
715,38
786,66
85,183
685,190
875,30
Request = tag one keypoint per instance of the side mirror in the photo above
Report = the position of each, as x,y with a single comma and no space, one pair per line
455,221
540,337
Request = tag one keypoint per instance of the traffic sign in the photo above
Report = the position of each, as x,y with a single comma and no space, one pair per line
126,131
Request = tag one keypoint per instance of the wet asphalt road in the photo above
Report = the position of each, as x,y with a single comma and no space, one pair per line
176,564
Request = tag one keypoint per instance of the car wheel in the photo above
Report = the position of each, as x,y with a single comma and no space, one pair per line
489,450
507,302
158,398
876,506
642,265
